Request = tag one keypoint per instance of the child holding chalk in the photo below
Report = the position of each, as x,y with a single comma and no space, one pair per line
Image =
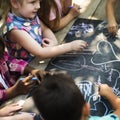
56,14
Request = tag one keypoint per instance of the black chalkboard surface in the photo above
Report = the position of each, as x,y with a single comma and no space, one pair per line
99,63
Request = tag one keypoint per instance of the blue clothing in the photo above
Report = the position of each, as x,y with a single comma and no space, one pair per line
32,27
106,117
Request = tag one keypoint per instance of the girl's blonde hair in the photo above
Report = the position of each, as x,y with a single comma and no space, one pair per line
9,1
4,8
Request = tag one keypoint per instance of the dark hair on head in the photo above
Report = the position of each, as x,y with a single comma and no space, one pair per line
2,45
58,98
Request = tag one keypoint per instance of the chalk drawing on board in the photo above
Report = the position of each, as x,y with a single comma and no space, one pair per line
87,88
73,63
81,30
99,66
102,27
105,53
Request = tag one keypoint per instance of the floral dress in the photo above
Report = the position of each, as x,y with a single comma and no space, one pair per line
10,69
32,27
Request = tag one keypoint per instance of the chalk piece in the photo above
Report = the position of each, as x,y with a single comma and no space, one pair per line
33,78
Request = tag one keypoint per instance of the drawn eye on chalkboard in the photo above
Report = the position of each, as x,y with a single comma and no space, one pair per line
104,54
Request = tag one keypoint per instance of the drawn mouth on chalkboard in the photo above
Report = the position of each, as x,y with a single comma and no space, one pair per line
70,63
104,54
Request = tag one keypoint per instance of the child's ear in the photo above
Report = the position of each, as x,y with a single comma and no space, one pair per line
86,109
14,3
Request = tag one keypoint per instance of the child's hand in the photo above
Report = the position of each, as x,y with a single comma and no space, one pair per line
9,110
23,86
78,45
112,27
38,73
105,90
22,116
75,10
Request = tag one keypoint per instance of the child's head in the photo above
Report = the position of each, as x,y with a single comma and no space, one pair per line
2,47
58,98
25,8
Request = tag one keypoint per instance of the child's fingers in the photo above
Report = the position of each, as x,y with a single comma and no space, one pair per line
16,108
28,78
29,83
76,6
83,43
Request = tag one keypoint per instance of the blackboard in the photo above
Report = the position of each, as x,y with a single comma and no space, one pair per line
99,63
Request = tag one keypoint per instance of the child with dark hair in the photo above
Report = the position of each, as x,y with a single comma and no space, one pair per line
58,98
10,71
